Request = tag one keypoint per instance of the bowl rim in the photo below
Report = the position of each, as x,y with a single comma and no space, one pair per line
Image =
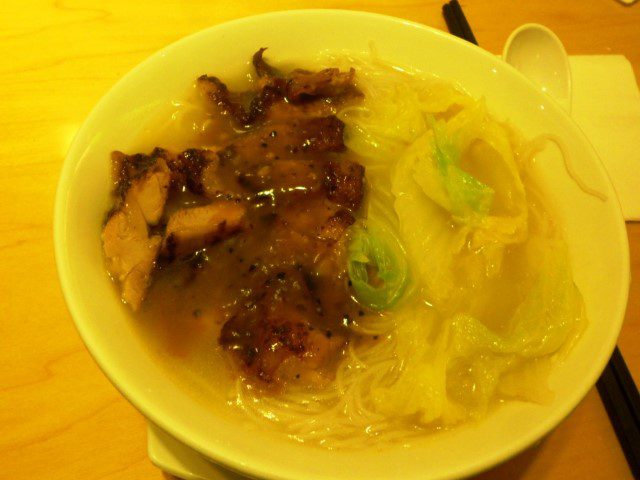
131,393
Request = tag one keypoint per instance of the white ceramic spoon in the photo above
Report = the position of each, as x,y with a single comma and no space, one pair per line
539,54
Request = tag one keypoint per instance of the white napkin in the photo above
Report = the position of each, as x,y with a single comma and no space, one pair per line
606,105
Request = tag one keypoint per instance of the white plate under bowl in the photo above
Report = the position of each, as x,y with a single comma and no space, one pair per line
594,230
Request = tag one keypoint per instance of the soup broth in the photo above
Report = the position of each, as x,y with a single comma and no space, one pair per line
422,303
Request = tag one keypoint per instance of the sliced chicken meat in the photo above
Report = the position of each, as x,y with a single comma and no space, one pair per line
277,325
191,229
300,87
130,252
150,192
345,183
329,82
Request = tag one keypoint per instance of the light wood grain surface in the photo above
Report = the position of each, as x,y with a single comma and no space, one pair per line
59,416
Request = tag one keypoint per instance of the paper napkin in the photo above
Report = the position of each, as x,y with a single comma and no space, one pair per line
606,105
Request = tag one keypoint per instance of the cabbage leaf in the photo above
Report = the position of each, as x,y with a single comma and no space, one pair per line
457,372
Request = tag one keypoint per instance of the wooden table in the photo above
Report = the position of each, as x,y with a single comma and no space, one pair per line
59,416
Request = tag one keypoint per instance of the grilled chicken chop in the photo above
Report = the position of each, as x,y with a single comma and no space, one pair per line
269,209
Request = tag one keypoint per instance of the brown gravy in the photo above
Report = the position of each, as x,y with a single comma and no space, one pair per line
270,287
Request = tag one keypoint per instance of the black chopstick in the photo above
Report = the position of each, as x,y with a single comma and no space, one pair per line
621,400
453,23
457,22
616,387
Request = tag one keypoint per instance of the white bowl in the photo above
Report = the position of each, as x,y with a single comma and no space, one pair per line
594,230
